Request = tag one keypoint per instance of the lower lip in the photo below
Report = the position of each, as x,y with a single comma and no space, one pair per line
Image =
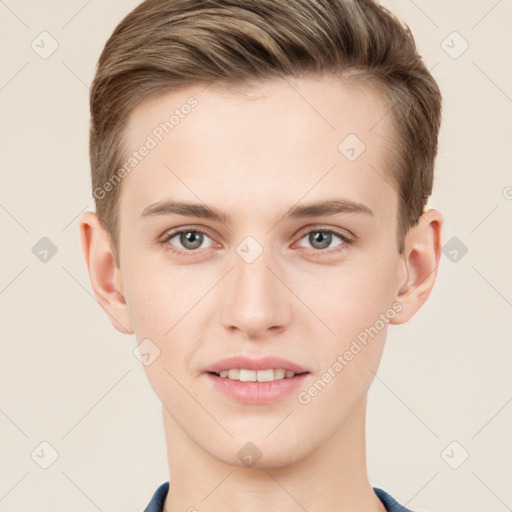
256,392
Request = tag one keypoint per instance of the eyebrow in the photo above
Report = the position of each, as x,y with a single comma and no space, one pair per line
323,208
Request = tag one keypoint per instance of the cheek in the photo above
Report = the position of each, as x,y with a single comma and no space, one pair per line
346,299
165,306
348,370
158,310
157,295
149,308
354,304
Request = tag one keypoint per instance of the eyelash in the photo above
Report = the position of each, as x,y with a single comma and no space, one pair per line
317,253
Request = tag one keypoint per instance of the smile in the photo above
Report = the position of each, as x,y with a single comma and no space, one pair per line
245,375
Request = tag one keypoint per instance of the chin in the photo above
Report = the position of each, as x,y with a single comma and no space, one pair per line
254,452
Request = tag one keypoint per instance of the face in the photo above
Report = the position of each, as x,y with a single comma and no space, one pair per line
266,275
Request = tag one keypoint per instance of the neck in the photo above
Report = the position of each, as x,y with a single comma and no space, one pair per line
333,476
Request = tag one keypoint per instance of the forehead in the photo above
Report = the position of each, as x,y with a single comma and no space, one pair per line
270,144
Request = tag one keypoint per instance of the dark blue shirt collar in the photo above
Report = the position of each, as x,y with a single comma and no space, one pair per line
157,501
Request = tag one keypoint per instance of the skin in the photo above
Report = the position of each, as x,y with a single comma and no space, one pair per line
254,155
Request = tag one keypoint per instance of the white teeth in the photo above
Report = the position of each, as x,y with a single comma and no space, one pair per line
264,375
247,375
279,374
234,374
244,375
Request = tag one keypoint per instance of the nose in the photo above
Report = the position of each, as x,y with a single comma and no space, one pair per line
254,300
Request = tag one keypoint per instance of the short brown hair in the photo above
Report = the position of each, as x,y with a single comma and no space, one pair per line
163,45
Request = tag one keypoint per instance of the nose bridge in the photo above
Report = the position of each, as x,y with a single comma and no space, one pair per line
254,300
253,277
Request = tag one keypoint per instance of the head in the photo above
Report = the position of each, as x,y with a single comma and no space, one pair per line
254,114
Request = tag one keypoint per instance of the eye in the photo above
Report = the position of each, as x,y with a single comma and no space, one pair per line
190,239
321,239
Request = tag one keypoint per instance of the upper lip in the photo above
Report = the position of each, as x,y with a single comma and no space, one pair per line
262,363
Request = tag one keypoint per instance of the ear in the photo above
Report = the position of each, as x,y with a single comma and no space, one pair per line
421,257
104,275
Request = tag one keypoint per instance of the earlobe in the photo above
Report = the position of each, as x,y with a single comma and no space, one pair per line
421,257
104,276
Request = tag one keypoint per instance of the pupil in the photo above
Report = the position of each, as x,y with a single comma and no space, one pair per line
191,238
324,239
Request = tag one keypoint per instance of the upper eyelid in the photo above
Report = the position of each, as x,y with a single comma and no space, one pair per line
305,230
347,238
337,231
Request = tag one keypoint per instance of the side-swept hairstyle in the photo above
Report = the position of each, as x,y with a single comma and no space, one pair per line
165,45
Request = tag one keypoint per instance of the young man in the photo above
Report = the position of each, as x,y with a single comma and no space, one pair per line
261,171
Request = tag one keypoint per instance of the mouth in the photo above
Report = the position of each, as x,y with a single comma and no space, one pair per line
255,381
251,392
247,375
245,368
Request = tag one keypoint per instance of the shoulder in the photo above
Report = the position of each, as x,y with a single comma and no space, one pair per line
389,502
157,501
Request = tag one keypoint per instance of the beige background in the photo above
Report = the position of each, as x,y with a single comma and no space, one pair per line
68,378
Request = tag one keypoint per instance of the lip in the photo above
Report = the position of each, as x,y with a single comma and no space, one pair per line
262,363
255,393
